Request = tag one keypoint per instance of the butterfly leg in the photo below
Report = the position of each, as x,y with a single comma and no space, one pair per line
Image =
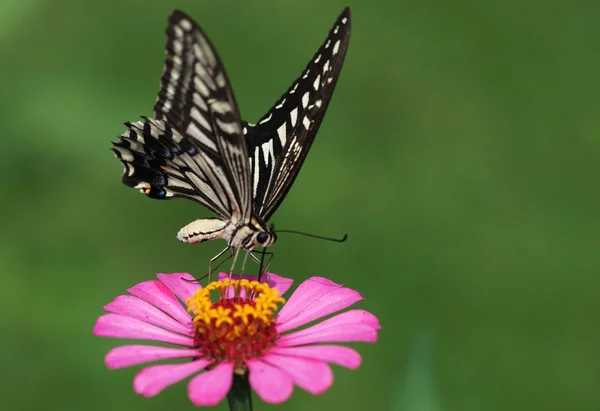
237,252
244,262
262,267
216,257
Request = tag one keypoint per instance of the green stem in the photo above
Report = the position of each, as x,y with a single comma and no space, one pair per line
240,395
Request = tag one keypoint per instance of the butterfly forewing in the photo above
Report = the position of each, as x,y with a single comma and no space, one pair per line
280,141
196,99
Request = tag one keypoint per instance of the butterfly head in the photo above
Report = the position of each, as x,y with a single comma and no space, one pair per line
264,238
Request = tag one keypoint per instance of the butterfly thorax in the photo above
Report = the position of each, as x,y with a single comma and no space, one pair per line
251,235
246,235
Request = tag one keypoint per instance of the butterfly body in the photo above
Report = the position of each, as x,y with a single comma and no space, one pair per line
197,146
241,235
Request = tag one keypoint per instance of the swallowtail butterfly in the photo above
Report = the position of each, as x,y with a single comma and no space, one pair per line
197,146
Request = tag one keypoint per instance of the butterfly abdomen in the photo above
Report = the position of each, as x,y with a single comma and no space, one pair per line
202,230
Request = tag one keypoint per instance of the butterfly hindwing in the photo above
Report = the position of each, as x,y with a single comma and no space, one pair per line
162,164
280,141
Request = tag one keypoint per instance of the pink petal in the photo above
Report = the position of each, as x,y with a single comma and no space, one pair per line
333,301
210,387
128,355
183,285
270,383
120,326
134,307
158,294
338,333
281,284
359,316
336,354
311,375
307,292
152,380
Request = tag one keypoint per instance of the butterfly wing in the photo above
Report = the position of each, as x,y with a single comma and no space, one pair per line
280,141
164,164
194,148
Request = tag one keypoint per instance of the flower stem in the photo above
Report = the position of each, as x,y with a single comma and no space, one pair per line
240,395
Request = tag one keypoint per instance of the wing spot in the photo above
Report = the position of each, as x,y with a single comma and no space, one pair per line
337,28
294,116
197,134
220,79
266,119
328,43
318,59
294,89
336,47
221,107
177,47
305,99
268,151
344,20
186,25
144,187
229,128
256,170
196,115
306,122
281,131
201,87
318,103
326,66
280,104
317,82
306,74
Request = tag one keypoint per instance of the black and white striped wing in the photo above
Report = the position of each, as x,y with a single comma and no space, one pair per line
280,141
195,148
164,164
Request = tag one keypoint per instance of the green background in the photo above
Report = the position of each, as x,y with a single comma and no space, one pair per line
460,152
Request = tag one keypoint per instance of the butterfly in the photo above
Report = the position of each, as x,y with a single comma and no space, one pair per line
197,146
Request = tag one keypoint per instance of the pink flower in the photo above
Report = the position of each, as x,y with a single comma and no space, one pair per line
239,333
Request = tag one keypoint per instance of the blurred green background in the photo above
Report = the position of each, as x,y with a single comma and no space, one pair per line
460,152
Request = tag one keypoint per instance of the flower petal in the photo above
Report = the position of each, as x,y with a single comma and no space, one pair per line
336,354
281,284
307,292
183,285
331,302
311,375
120,326
158,294
336,333
278,282
210,387
152,380
270,383
134,307
128,355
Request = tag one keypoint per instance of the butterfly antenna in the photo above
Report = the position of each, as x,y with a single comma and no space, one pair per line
335,240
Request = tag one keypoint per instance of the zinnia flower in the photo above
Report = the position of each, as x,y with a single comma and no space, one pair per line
239,332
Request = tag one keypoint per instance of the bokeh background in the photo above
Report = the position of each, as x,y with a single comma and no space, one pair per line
461,153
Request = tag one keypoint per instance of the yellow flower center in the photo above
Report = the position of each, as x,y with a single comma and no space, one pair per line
237,327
